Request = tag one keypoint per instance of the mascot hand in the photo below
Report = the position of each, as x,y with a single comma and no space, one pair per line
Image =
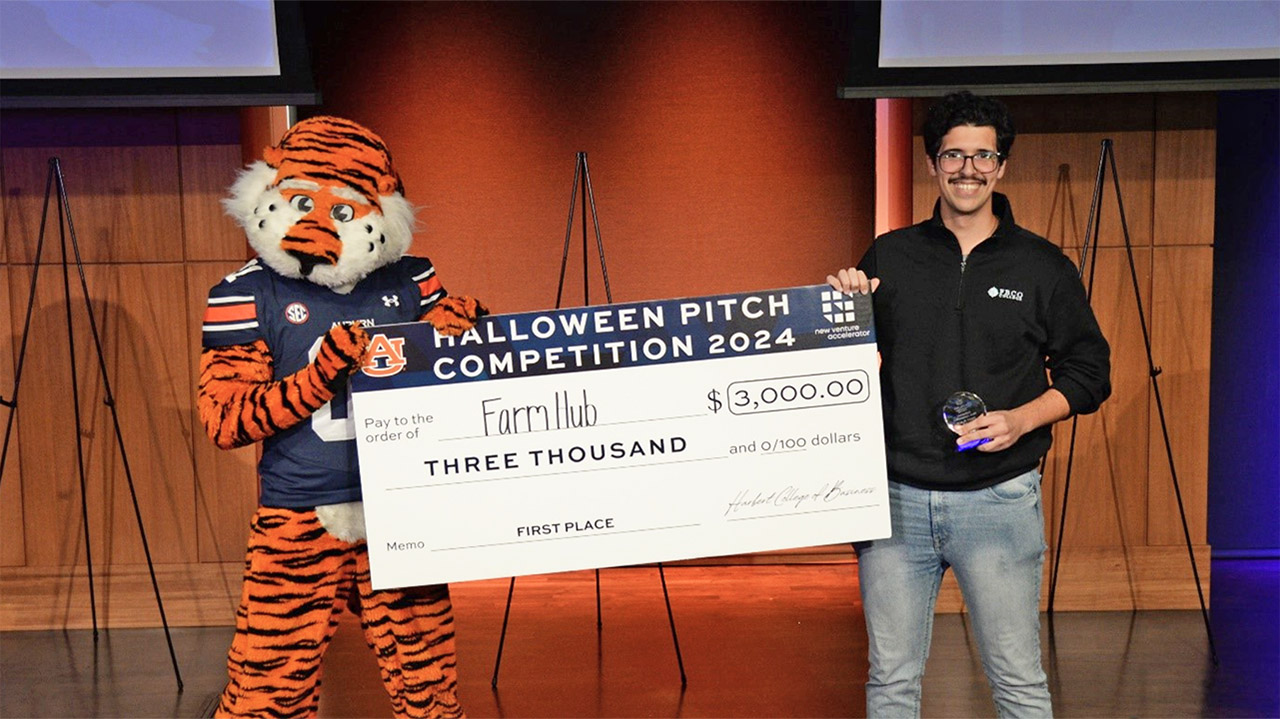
454,315
341,351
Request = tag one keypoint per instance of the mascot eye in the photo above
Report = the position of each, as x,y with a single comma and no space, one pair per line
342,213
302,203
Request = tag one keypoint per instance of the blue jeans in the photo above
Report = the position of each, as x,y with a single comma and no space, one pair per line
994,539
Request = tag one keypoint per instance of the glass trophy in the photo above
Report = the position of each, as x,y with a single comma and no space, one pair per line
962,408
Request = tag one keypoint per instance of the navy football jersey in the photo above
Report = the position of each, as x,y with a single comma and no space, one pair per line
314,462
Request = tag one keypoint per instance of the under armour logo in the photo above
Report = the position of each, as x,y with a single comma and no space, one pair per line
391,300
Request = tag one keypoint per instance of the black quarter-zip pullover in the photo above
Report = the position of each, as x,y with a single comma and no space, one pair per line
991,323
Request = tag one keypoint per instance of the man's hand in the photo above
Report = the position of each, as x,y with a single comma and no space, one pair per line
853,280
1005,427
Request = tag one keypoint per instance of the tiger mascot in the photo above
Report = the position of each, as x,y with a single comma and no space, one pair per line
327,217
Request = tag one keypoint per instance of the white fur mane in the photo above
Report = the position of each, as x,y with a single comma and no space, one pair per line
256,204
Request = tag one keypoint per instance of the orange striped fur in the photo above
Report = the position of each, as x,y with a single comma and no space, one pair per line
298,578
454,315
240,404
330,150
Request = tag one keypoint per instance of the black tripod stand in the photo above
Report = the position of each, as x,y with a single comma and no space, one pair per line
1094,222
67,229
582,178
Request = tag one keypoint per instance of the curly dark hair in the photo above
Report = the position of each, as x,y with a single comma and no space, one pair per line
966,108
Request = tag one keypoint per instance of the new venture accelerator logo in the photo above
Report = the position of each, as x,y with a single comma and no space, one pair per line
837,307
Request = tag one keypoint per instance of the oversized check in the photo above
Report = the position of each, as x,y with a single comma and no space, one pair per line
621,434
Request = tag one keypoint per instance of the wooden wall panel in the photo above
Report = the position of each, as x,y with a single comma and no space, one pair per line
157,177
208,234
4,217
1107,501
1180,338
142,325
1060,139
123,200
226,481
147,352
51,505
1185,163
12,544
209,157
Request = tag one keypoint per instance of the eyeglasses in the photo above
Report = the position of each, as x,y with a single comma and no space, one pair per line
983,161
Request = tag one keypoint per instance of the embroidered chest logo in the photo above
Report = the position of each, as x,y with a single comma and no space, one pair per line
998,293
391,300
296,313
385,358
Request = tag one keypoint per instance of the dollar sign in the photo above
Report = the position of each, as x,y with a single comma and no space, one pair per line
715,404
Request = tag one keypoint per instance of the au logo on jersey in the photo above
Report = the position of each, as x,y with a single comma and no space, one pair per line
385,357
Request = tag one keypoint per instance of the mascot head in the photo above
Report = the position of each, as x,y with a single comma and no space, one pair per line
325,205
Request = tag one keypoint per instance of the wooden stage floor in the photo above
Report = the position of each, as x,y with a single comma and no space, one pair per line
757,641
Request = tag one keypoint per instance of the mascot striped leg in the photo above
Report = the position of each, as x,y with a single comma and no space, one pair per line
297,580
411,632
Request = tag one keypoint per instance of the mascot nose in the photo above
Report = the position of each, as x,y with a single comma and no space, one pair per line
306,262
312,243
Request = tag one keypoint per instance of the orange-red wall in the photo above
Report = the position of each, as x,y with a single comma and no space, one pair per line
720,157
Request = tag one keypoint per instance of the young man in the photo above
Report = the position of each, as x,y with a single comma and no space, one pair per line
967,301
